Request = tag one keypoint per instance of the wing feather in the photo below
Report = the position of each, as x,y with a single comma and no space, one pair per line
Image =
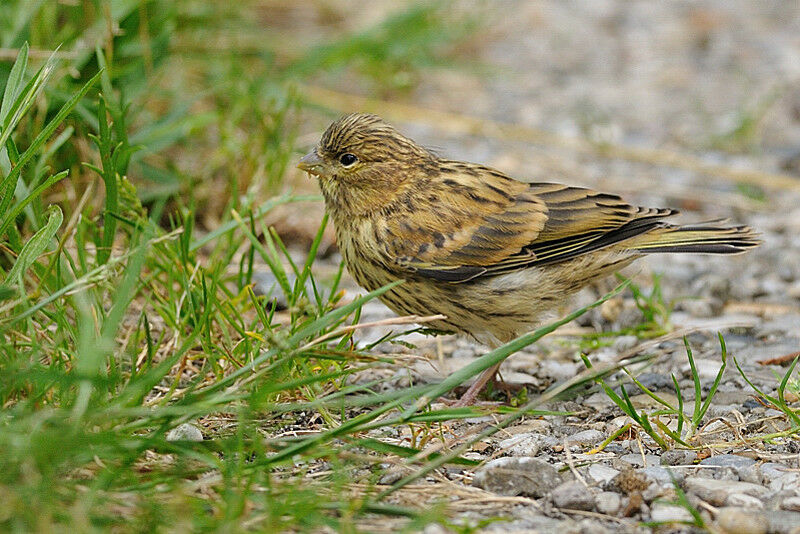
519,225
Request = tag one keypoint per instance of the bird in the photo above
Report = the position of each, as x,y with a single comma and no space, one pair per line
494,255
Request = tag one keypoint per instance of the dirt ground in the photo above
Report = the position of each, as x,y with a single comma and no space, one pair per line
693,105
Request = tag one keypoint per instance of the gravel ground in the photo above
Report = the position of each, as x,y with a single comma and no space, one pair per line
717,80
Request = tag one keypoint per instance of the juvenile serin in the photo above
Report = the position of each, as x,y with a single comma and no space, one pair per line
491,253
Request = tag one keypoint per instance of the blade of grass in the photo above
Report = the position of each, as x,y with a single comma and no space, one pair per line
43,136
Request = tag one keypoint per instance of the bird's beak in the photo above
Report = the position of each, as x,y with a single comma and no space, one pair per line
311,163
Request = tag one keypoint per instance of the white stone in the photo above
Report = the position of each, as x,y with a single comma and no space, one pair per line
668,513
185,432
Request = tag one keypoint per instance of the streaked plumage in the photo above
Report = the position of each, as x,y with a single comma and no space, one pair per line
489,252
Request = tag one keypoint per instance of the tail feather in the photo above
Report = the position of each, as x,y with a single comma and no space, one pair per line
700,238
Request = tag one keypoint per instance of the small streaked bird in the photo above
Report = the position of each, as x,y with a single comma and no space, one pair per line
491,253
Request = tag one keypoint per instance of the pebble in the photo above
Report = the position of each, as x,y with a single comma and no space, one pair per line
663,477
635,459
789,481
528,444
733,461
791,503
558,370
736,521
704,307
706,369
716,492
517,476
598,401
434,528
776,476
573,495
678,457
601,474
624,343
586,437
393,474
185,432
669,513
607,502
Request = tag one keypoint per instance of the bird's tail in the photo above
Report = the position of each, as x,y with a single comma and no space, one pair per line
709,238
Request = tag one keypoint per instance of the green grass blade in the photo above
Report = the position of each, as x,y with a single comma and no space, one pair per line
697,387
9,218
40,139
717,379
36,246
14,83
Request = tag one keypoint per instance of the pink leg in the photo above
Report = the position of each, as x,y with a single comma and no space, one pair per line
471,395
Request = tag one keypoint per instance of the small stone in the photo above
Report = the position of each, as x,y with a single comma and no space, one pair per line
750,404
574,496
735,462
703,308
607,502
586,437
557,369
663,477
185,432
736,521
528,444
434,528
778,477
617,423
789,481
598,401
678,457
624,343
791,503
601,474
716,492
517,476
635,460
392,475
706,369
669,513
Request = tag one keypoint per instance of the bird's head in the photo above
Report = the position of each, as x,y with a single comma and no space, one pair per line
361,162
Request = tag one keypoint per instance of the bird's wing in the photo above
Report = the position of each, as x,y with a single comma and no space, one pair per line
473,221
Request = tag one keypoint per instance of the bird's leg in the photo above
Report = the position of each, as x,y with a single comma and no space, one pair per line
471,395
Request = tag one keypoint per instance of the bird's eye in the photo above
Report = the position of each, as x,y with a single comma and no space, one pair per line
347,159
